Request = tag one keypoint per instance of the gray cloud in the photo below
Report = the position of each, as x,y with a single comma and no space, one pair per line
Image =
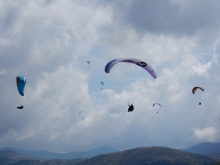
173,17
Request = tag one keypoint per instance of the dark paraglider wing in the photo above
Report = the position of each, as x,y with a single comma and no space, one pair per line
195,89
83,112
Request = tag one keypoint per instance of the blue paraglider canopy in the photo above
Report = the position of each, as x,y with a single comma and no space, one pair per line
21,81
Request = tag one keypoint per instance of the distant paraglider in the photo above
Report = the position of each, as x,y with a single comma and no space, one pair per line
21,81
138,62
20,107
195,89
88,63
83,112
130,108
102,84
157,104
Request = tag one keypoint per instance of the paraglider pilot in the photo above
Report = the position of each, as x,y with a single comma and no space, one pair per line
21,107
130,108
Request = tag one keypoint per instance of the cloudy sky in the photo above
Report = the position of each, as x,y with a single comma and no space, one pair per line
49,42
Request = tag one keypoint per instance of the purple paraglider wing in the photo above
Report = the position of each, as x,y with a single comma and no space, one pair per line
157,104
138,62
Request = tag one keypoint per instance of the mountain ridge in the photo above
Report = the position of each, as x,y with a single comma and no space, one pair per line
47,155
155,155
205,148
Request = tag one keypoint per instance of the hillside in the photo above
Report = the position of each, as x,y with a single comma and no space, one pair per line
10,153
8,157
206,148
47,162
150,156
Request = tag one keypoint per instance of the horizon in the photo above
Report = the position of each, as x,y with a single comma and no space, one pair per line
105,146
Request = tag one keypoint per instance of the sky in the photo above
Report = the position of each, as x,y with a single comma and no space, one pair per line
50,42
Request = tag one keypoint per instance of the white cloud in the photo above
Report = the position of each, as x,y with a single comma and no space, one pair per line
205,134
3,72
